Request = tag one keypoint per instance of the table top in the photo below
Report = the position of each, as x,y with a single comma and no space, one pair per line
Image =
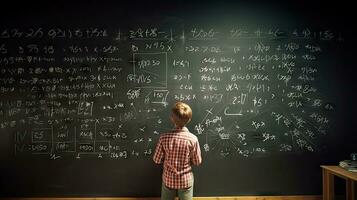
339,171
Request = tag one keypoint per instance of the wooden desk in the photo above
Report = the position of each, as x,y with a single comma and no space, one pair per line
328,174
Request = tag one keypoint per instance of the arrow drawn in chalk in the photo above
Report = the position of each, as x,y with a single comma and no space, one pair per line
231,114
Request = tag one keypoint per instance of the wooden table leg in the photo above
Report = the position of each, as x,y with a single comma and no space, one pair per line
350,190
328,184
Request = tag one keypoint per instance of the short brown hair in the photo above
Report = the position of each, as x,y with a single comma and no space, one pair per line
182,114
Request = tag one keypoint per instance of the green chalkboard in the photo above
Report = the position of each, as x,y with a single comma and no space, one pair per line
86,89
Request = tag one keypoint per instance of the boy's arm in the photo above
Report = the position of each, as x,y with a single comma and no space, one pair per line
159,153
196,154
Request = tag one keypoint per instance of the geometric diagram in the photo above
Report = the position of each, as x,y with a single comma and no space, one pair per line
157,97
85,108
150,70
40,141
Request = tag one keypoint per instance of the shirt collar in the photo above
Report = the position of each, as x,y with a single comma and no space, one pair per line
184,129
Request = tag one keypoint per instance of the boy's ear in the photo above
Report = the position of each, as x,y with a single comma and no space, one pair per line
172,119
188,121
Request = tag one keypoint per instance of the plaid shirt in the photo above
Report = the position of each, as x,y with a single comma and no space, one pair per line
178,150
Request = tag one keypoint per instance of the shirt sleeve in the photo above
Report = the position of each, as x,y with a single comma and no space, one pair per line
159,153
196,158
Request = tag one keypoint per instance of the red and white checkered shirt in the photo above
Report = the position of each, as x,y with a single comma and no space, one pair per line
178,150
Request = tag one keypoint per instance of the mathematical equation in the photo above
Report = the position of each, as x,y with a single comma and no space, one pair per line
106,93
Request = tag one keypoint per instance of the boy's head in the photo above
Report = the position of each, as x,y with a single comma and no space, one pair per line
181,114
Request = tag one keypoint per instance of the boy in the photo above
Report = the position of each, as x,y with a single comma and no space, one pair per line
178,150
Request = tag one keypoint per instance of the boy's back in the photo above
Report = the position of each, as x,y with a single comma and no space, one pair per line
178,150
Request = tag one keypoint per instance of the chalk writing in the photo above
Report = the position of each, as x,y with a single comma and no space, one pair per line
105,92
